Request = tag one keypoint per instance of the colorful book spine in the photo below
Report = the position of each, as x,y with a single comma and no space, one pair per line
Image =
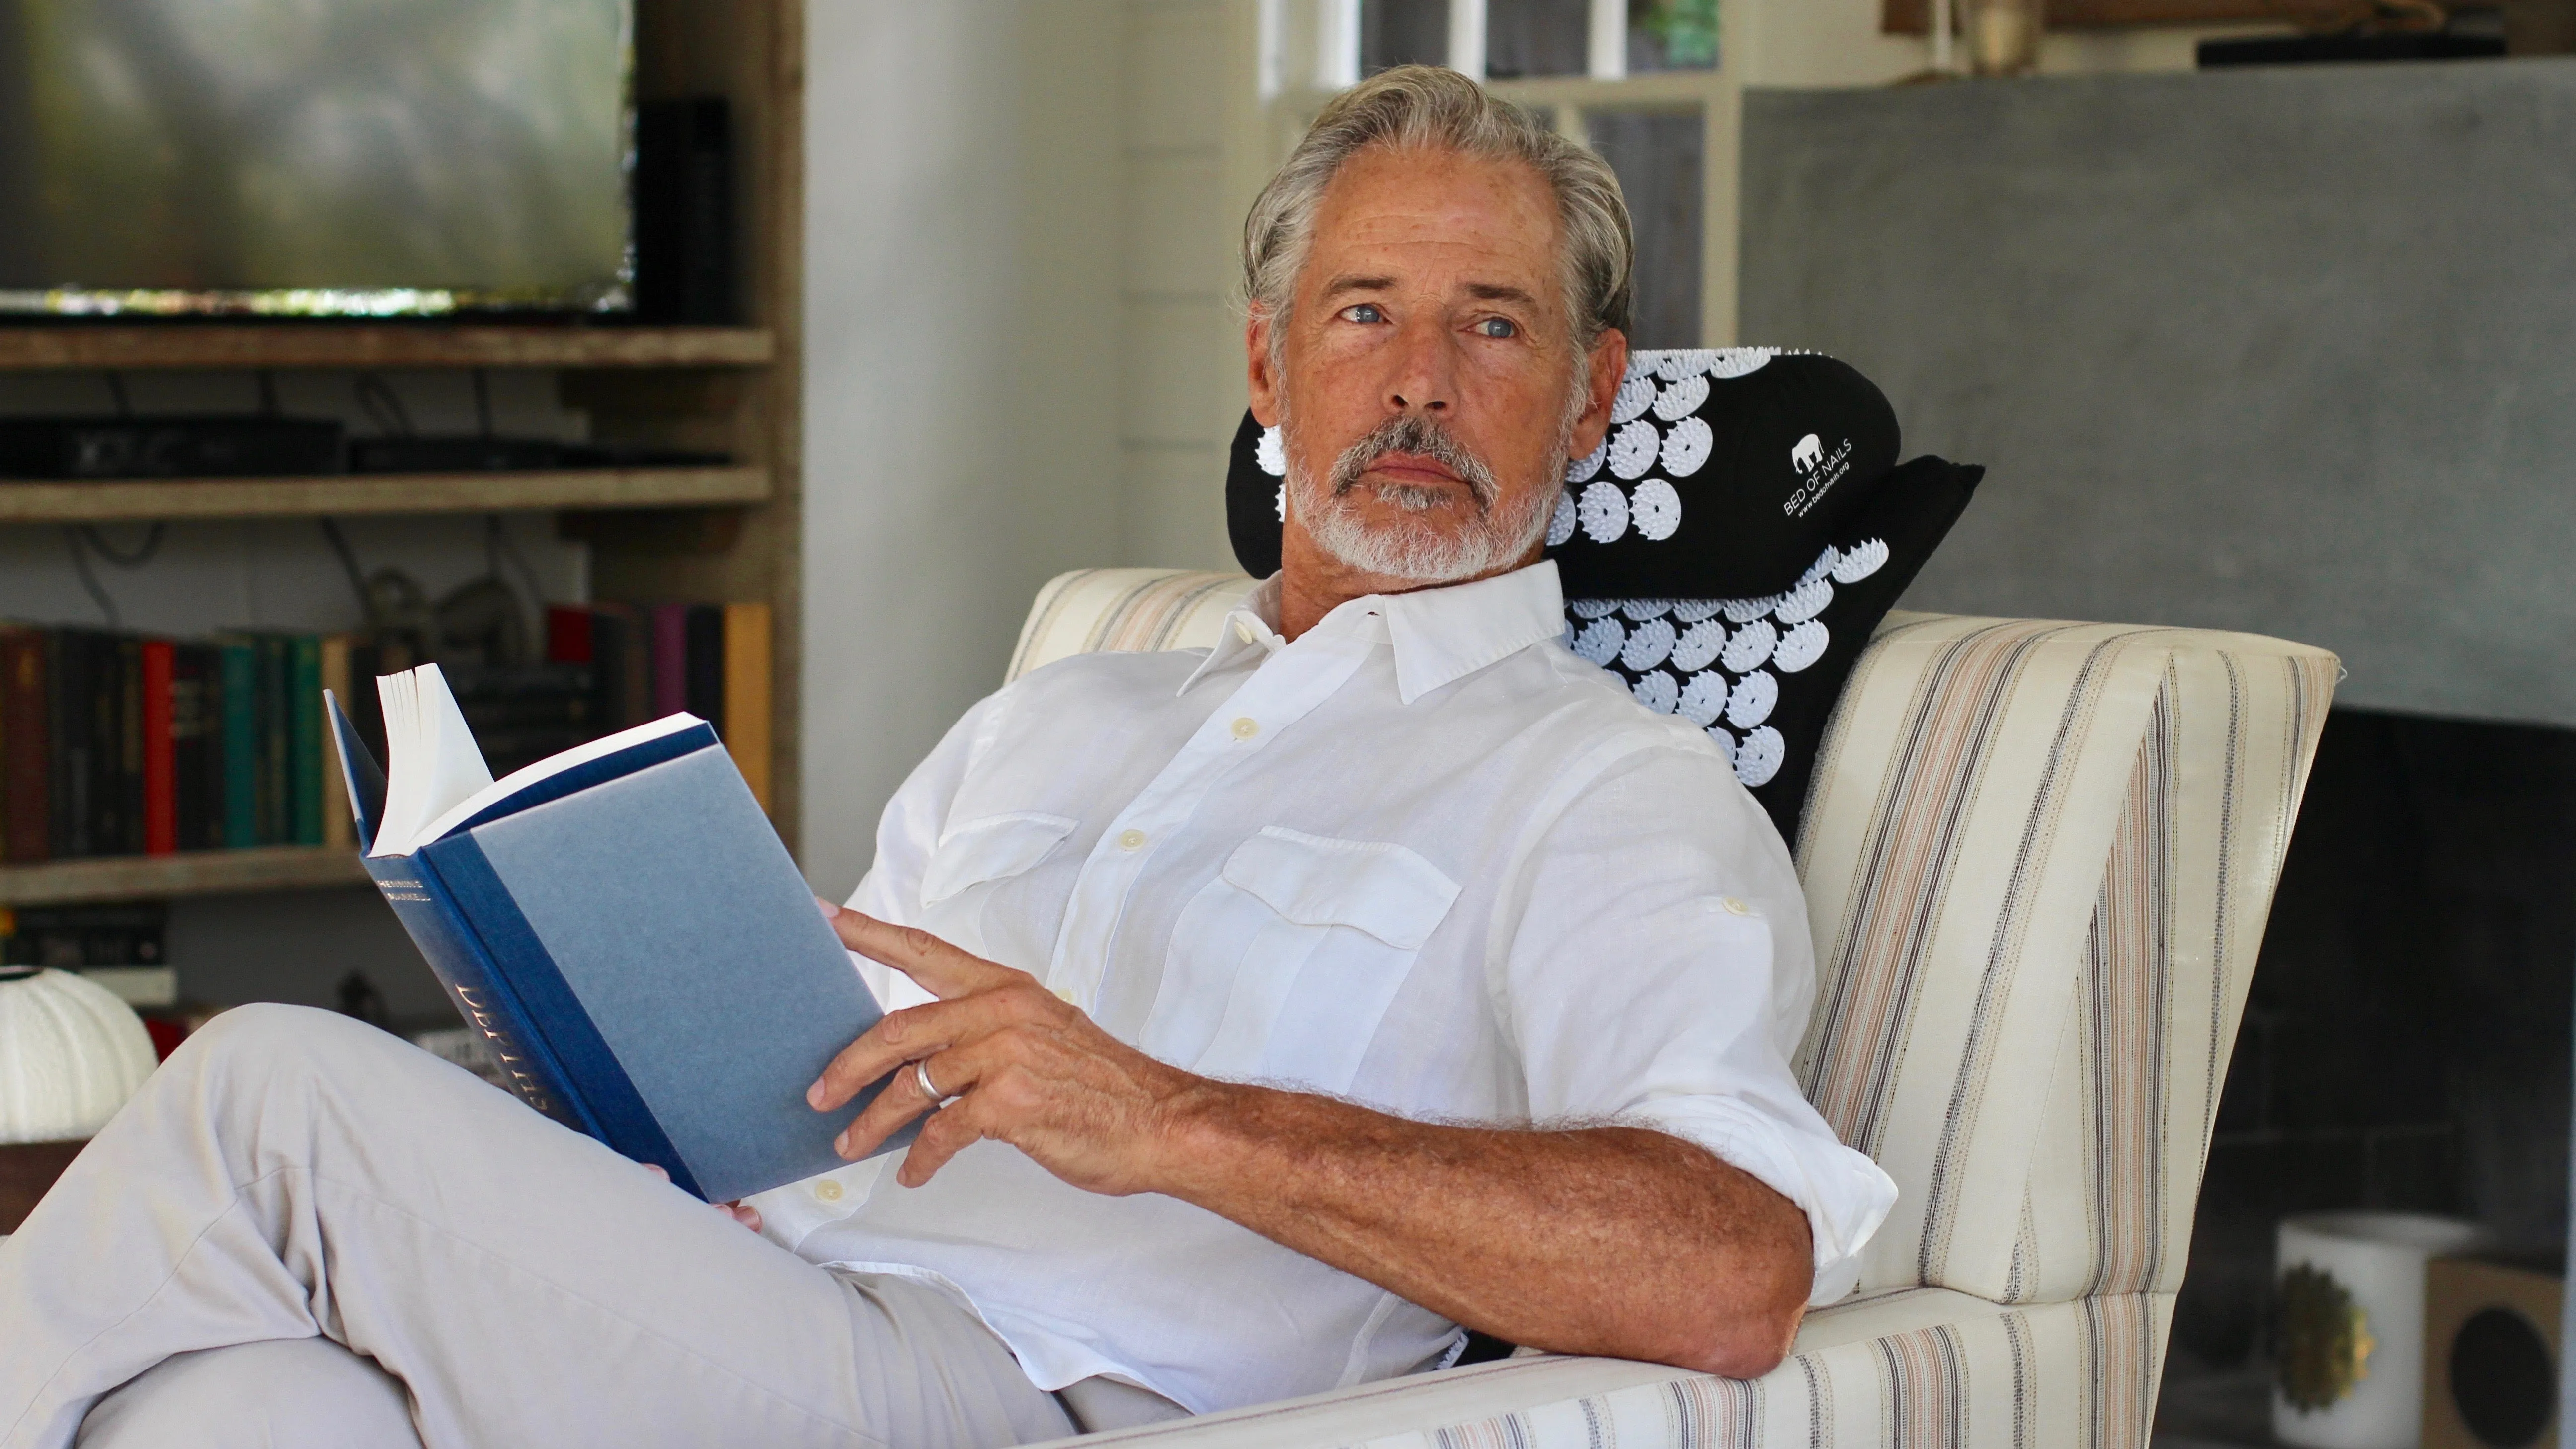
706,664
339,829
747,731
276,740
26,815
196,745
125,782
670,659
304,739
69,703
239,704
159,665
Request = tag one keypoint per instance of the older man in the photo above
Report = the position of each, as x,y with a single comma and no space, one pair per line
1276,1010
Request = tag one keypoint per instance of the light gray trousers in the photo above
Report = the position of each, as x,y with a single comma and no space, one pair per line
303,1232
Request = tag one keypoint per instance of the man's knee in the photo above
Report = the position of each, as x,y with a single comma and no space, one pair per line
288,1393
265,1039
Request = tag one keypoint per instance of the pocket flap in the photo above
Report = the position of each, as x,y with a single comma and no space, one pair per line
1376,886
990,848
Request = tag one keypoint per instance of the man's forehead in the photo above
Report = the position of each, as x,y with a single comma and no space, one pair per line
1395,219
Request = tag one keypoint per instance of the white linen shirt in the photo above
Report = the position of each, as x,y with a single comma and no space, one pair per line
1423,858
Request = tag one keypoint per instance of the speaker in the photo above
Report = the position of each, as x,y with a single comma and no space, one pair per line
684,233
2490,1355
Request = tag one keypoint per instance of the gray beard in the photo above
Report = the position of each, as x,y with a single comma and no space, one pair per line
1414,547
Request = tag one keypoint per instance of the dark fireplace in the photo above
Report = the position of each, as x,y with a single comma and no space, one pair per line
2406,1040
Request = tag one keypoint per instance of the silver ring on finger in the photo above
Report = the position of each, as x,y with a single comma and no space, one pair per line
929,1089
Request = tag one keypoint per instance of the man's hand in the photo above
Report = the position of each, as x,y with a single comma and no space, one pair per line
1018,1065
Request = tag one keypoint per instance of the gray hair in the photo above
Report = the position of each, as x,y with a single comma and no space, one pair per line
1427,107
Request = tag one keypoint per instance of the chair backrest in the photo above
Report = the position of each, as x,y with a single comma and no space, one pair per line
2038,859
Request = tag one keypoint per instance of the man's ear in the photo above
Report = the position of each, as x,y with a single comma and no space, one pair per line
1606,367
1261,378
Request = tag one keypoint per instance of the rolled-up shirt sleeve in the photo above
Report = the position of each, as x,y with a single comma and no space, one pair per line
1658,971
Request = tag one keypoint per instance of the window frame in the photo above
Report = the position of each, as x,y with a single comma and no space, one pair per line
1310,51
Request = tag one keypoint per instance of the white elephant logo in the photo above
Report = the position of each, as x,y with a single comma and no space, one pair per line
1809,455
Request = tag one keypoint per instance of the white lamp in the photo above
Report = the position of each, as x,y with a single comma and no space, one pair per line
70,1054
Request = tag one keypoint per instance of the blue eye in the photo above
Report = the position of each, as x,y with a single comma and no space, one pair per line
1364,312
1497,327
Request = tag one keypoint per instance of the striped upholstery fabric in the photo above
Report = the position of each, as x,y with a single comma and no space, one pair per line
2038,858
1124,611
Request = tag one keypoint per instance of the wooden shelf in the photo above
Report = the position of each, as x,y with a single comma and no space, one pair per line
99,502
379,345
189,873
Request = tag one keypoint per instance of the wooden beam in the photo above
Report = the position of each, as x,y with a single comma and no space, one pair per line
1913,17
188,873
104,501
294,345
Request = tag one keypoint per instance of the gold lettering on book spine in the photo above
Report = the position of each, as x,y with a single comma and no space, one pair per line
505,1050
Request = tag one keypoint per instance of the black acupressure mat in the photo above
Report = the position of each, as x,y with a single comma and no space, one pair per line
1727,551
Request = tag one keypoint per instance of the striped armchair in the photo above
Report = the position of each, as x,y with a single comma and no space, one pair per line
2038,857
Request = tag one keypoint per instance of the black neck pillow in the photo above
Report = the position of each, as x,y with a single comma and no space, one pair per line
1727,550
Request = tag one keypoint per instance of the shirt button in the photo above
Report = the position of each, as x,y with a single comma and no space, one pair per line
1243,631
828,1190
1733,907
1131,840
1064,994
1246,727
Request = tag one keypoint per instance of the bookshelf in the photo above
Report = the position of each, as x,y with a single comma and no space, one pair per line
376,345
693,534
188,873
109,502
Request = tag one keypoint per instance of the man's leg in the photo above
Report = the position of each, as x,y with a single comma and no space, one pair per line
286,1393
290,1172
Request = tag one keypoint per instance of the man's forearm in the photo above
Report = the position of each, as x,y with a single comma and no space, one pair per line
1606,1240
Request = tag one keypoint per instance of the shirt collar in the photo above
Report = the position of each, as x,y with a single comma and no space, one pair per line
1439,635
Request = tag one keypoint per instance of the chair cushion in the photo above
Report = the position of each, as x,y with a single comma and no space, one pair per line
1724,474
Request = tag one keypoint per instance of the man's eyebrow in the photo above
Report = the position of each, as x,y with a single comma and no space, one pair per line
1346,283
1497,292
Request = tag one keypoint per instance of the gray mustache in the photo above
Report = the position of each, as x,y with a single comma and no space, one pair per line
1422,438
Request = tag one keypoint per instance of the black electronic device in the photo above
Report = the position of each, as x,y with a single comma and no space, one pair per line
476,454
249,445
684,249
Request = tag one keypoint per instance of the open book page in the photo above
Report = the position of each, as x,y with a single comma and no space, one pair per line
431,763
457,815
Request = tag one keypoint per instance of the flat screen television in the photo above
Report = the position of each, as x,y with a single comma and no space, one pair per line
315,157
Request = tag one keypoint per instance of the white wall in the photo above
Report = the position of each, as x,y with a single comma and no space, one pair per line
962,328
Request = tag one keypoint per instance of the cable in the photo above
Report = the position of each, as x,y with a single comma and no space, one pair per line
376,398
483,400
116,391
527,576
89,580
349,566
268,406
141,555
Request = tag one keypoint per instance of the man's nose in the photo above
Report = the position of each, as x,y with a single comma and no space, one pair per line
1425,377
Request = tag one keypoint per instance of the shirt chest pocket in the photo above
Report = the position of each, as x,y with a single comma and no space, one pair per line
972,863
1282,967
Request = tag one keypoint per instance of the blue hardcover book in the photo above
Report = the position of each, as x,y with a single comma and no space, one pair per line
625,929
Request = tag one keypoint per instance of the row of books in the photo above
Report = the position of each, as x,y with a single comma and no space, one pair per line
650,660
122,744
126,744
